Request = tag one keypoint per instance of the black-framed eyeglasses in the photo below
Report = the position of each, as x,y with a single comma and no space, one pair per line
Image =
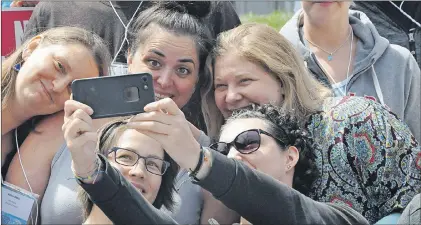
245,142
127,157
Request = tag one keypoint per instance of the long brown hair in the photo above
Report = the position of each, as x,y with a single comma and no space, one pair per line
263,46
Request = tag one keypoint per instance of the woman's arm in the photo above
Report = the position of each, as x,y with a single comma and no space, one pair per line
37,153
120,201
263,200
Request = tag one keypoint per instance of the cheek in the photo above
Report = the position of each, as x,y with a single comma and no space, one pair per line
219,99
124,171
155,183
185,86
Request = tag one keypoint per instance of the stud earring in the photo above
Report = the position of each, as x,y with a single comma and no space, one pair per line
17,66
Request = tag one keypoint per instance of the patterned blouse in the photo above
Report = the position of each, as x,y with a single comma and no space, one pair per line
367,158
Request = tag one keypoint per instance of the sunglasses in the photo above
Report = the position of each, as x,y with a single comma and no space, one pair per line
246,142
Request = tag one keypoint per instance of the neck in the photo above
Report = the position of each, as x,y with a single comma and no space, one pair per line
12,118
337,28
97,216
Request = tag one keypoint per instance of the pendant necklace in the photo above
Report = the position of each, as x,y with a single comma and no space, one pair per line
330,54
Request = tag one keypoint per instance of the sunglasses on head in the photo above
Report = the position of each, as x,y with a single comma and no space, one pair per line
246,142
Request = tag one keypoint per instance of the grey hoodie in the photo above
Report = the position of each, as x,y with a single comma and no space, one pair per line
383,72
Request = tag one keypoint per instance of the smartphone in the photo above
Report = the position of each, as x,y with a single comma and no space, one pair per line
113,96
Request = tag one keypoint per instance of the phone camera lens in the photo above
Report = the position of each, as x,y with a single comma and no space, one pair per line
145,79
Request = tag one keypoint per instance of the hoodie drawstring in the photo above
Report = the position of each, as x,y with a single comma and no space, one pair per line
377,86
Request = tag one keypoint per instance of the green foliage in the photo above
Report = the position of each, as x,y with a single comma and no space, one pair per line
276,19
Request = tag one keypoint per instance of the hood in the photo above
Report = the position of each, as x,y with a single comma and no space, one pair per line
370,45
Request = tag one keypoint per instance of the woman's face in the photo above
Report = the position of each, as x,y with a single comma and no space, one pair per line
173,62
43,83
145,182
239,83
269,158
322,12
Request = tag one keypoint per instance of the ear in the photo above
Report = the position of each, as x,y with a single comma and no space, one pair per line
293,157
129,59
31,46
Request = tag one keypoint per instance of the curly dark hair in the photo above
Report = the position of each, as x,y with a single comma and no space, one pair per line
285,126
107,138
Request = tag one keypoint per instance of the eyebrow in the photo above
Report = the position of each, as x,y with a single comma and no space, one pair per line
183,60
149,155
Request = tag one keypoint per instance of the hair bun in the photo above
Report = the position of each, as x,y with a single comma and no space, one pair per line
198,9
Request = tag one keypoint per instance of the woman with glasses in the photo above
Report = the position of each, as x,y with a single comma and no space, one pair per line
263,138
139,159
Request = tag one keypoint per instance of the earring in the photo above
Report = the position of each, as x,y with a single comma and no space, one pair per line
289,167
17,66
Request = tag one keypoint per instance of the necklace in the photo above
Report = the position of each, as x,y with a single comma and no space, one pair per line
330,54
349,66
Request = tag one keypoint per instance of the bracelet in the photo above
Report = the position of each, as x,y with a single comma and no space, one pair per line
194,172
93,173
204,158
95,166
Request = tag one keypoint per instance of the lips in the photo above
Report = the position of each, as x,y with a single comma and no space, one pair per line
47,92
139,187
159,96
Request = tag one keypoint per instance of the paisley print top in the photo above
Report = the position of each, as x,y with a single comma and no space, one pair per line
367,158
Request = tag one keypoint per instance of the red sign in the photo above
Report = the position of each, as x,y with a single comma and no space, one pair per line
13,22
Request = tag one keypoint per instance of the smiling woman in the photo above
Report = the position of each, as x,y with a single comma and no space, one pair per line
36,78
141,160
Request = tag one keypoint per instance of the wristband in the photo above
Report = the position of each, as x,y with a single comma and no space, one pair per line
194,172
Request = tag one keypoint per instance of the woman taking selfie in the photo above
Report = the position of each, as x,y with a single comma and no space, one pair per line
263,138
140,159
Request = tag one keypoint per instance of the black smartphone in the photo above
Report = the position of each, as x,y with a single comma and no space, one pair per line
113,96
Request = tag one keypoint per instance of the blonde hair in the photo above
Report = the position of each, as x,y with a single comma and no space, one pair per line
263,46
60,35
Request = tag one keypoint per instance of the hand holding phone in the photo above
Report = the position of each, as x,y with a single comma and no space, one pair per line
114,96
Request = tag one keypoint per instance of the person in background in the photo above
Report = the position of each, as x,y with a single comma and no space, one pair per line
397,21
355,60
119,16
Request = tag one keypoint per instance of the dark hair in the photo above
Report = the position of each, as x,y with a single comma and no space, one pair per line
284,126
180,18
107,138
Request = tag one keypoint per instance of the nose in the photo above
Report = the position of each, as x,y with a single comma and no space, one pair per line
138,170
234,154
61,84
233,95
164,78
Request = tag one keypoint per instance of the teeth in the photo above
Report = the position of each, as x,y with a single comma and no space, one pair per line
159,96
